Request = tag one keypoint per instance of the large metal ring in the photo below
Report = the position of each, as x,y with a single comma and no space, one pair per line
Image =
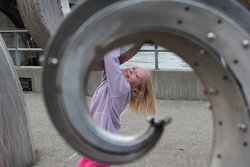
212,42
42,17
15,138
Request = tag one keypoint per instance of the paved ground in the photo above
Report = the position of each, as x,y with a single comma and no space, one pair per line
185,143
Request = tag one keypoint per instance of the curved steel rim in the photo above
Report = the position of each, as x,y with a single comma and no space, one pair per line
129,52
42,17
205,38
233,9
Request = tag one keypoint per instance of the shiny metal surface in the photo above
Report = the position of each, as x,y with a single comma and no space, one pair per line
127,52
16,147
188,28
232,9
42,17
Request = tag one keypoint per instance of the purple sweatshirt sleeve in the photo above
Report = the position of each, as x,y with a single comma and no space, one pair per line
118,85
112,95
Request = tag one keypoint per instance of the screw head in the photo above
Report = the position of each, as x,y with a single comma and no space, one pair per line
211,36
202,52
242,127
212,91
41,59
210,107
246,43
53,61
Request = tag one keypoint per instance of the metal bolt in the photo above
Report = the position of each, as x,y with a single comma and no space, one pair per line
246,43
210,107
53,61
211,36
212,91
202,52
242,127
41,59
220,123
219,156
225,78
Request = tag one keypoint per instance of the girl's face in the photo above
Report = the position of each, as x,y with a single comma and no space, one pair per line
135,75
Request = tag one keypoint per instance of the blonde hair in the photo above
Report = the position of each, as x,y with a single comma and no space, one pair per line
143,101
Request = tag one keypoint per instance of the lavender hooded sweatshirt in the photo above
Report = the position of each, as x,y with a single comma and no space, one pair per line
111,96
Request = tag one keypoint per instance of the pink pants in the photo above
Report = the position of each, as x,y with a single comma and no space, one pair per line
85,162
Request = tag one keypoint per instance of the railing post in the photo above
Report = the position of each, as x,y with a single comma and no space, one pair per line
156,57
17,57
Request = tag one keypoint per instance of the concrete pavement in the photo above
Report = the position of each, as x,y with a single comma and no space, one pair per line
186,142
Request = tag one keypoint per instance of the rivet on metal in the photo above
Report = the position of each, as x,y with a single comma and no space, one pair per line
210,107
196,64
53,61
187,8
225,78
219,156
211,36
242,127
202,52
179,21
220,123
236,61
212,91
41,59
246,43
219,21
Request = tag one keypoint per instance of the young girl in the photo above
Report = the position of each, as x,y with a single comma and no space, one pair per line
133,86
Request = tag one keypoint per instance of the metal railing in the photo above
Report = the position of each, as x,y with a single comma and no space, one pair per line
156,52
17,48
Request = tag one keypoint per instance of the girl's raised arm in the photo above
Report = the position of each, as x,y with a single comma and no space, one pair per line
116,81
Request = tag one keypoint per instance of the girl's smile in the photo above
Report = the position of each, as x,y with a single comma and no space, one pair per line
135,75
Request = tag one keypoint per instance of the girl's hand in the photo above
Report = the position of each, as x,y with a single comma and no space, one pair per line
98,65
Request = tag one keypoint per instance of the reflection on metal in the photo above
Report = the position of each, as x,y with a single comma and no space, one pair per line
186,27
127,52
42,17
15,140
